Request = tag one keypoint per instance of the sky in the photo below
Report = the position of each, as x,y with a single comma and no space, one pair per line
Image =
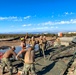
37,16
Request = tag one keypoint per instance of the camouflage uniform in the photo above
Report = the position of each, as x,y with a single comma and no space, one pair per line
42,48
28,68
4,62
44,44
57,43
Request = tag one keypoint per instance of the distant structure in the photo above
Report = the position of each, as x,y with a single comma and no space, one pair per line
60,34
67,40
57,43
71,32
45,33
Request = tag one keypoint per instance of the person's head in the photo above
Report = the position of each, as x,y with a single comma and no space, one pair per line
13,47
41,37
33,38
44,37
22,39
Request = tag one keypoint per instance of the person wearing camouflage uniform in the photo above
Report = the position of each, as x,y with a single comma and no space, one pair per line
45,43
57,43
5,61
42,46
28,69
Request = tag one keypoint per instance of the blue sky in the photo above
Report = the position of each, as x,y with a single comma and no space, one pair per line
37,16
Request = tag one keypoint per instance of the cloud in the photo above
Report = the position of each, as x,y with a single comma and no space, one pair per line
33,29
46,23
68,13
14,18
38,28
3,18
11,18
65,14
71,13
52,27
56,27
18,19
8,18
27,17
26,25
72,21
23,25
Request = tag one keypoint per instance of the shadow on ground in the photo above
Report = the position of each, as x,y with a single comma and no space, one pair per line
46,69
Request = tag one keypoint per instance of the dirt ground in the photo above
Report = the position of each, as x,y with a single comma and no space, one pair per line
15,42
10,43
44,67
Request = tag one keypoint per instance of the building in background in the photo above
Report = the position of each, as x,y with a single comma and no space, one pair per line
60,34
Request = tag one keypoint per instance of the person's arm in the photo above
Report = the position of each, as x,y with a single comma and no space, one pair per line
21,52
14,53
40,42
33,45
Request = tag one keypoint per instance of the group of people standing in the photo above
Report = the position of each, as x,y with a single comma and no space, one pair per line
29,47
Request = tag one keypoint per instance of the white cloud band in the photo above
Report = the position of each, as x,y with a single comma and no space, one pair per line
14,18
72,21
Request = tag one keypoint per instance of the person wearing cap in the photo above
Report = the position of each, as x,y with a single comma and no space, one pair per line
6,60
22,39
23,46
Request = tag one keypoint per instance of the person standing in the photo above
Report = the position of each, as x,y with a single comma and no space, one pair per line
42,46
29,60
6,60
44,43
23,45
